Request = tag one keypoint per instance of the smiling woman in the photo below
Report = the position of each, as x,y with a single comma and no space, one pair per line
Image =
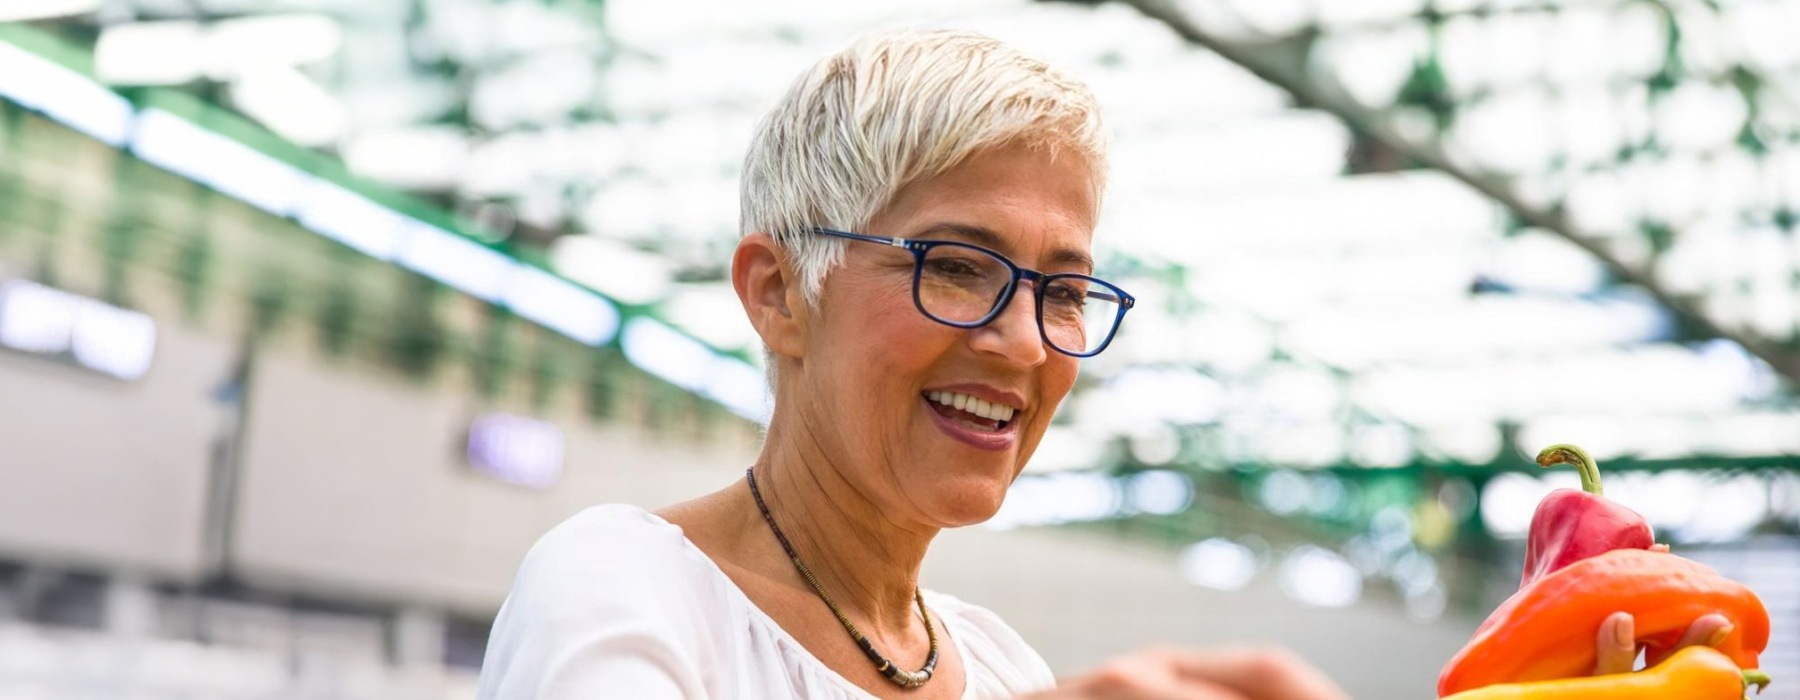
872,356
914,374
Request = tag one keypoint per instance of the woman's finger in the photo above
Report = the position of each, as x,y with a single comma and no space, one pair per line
1615,647
1259,674
1199,690
1709,630
1142,676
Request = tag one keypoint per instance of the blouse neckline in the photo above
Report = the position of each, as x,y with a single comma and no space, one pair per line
782,634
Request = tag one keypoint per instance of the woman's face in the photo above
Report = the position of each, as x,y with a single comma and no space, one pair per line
879,372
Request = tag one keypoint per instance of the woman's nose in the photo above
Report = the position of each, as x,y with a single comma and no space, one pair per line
1013,333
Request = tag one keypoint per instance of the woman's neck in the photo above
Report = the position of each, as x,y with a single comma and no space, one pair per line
864,557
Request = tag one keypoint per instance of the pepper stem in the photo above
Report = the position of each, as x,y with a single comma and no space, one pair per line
1757,678
1570,454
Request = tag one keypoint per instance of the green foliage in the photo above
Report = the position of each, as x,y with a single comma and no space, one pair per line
1660,235
1427,88
419,335
547,372
194,272
119,243
337,315
494,360
46,268
606,378
271,300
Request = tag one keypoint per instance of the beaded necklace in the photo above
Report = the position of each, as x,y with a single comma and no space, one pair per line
902,678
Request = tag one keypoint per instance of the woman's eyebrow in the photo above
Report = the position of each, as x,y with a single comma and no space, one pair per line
1073,257
987,238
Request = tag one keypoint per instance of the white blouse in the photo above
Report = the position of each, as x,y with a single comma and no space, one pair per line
617,603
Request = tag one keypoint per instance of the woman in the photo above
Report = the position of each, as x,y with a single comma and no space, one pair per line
918,214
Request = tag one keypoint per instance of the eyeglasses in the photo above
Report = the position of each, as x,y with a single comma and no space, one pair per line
966,286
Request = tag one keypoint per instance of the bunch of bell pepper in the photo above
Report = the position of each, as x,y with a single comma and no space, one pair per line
1588,558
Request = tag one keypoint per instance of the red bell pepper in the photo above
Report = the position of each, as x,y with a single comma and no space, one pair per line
1572,525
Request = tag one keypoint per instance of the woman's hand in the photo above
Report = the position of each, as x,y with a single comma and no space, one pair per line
1180,674
1274,674
1616,649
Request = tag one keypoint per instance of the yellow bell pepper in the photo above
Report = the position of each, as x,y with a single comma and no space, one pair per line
1694,673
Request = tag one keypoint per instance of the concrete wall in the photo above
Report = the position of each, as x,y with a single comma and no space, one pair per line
354,484
100,473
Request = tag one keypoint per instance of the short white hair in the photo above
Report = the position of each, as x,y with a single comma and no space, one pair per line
891,110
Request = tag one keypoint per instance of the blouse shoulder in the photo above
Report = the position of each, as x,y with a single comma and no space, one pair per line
1009,664
609,593
600,533
610,551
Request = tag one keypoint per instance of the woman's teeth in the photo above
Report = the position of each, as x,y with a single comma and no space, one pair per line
965,402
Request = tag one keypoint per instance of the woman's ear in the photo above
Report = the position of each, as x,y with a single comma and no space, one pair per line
770,293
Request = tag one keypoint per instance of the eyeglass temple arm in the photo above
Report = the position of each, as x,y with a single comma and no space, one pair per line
885,240
1124,300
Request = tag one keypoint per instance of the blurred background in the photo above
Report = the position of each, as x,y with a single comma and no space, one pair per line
314,314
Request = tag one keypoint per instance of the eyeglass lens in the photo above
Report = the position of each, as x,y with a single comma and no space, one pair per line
964,285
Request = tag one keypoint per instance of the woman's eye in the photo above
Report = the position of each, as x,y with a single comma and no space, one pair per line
1067,295
955,267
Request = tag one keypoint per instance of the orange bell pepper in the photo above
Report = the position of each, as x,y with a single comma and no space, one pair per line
1694,673
1546,631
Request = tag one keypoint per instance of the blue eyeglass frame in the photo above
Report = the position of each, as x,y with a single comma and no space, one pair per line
919,247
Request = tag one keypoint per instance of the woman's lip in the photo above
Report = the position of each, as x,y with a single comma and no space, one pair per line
993,441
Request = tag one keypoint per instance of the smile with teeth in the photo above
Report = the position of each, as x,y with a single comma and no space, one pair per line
970,411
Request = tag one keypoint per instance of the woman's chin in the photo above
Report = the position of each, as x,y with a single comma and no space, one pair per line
968,504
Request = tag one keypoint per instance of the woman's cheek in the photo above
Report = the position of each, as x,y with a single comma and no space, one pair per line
1060,373
908,343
